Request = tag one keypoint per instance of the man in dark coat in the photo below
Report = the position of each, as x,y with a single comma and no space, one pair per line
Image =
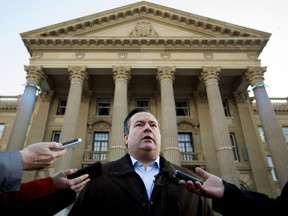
141,183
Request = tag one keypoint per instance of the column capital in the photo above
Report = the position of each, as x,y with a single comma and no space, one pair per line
200,97
122,72
34,74
241,97
255,75
47,95
209,73
77,73
166,72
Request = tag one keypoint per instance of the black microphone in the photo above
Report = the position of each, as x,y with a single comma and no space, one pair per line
181,175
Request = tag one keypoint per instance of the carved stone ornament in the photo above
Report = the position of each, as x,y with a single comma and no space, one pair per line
143,29
122,55
79,55
252,55
208,55
37,55
165,55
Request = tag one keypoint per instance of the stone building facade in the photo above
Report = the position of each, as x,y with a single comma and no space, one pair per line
191,72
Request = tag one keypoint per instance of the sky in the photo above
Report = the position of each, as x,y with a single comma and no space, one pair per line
18,16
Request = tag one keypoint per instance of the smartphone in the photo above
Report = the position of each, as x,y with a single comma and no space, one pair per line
71,142
184,176
94,170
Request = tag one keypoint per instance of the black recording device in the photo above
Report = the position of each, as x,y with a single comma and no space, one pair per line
184,176
94,170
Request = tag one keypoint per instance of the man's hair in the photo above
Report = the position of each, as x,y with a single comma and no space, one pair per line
127,119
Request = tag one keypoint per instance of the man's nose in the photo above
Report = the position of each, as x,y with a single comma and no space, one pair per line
147,127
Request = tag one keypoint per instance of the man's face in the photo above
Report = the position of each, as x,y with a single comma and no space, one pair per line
144,138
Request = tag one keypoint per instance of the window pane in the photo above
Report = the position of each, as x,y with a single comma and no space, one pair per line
182,108
103,106
226,107
234,147
2,127
61,106
285,131
261,133
100,145
142,103
186,147
55,136
273,173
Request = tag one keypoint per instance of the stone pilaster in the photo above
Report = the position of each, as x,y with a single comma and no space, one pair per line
121,76
273,132
25,109
170,148
205,134
40,118
256,159
226,162
77,75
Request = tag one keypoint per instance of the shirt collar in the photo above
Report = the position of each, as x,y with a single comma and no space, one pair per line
156,161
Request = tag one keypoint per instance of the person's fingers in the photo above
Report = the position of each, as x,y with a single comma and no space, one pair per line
201,172
78,187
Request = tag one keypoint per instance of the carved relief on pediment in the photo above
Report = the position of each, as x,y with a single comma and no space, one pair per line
143,29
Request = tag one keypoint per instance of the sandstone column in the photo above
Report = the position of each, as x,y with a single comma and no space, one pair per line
25,109
227,167
77,75
273,132
121,76
170,148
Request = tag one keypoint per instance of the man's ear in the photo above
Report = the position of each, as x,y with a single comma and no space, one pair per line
126,139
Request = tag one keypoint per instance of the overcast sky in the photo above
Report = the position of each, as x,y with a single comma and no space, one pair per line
18,16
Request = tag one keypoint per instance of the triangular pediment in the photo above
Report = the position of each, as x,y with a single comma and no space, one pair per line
154,23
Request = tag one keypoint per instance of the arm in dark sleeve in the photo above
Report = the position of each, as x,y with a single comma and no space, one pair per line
11,166
242,202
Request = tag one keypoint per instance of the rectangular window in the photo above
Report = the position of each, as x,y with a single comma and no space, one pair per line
142,103
61,106
234,147
273,173
55,136
226,107
2,127
103,106
186,146
100,146
261,133
182,108
285,131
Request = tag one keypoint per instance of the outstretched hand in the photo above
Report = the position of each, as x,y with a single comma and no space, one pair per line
62,182
211,187
39,155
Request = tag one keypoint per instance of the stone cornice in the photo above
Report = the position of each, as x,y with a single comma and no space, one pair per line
197,44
